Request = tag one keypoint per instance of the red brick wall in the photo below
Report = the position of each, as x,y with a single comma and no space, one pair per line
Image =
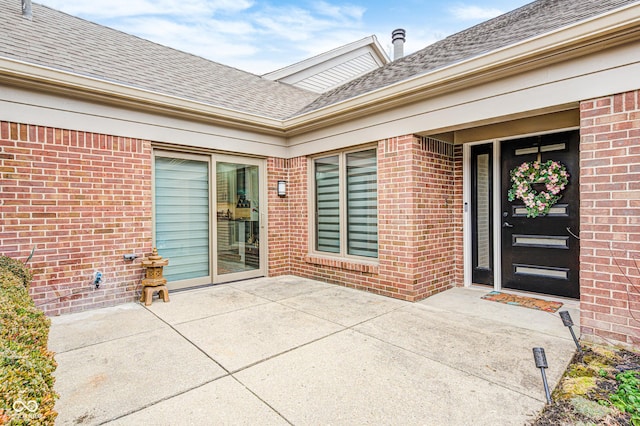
458,206
81,200
610,218
420,233
279,235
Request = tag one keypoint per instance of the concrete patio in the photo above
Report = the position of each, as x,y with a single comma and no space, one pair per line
288,350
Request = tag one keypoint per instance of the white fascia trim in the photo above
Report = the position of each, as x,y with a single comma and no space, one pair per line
24,72
581,31
382,55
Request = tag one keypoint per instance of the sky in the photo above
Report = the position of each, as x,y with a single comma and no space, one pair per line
263,36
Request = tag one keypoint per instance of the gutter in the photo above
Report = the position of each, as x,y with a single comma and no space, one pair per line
30,76
614,27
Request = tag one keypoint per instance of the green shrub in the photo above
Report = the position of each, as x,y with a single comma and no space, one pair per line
26,365
17,268
627,397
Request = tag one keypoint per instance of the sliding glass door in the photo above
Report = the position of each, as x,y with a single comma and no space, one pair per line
200,199
238,211
182,219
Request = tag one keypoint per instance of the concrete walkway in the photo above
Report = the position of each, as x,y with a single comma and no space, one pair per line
288,350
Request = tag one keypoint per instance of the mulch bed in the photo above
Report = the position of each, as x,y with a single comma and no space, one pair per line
582,395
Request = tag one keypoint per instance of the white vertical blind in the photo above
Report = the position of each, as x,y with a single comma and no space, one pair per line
327,178
362,203
182,216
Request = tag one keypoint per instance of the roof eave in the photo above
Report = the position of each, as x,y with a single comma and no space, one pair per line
32,76
616,26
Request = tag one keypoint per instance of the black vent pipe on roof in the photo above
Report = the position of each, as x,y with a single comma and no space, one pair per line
26,9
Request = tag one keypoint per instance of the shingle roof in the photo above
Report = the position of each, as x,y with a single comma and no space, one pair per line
65,42
526,22
61,41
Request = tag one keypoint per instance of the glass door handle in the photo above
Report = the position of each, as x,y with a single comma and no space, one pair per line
507,225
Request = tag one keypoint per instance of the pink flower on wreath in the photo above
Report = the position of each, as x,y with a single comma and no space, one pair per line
551,173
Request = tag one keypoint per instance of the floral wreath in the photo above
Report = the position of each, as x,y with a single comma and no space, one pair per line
552,174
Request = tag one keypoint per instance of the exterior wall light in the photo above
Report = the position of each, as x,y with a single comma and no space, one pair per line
282,188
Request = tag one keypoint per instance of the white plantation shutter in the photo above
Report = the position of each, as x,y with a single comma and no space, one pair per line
327,174
362,204
182,216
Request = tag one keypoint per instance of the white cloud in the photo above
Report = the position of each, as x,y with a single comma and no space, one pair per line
294,23
248,34
474,13
216,40
124,8
339,12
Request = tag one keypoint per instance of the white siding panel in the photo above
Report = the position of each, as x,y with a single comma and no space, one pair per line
339,74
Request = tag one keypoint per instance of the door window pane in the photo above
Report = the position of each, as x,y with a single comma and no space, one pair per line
327,180
362,204
238,217
182,216
483,211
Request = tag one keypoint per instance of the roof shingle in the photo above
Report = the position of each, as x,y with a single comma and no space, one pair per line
68,43
526,22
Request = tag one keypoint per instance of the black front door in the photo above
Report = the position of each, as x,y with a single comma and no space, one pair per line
540,254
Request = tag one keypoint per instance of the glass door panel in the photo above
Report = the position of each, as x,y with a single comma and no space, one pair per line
482,213
238,220
182,219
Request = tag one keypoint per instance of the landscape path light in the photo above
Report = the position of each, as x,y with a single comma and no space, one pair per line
541,363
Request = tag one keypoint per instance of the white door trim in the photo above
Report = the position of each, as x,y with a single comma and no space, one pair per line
497,217
467,209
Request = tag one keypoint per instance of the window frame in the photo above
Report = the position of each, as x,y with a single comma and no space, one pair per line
342,206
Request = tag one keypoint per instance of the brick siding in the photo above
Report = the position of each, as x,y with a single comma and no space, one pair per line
82,200
279,234
610,218
419,219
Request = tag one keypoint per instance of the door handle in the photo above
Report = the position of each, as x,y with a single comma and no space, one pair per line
507,225
572,234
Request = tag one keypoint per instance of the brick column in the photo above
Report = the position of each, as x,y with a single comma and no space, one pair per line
284,212
417,202
610,218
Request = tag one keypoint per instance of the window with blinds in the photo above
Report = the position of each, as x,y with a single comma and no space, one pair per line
346,203
328,204
362,204
182,216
